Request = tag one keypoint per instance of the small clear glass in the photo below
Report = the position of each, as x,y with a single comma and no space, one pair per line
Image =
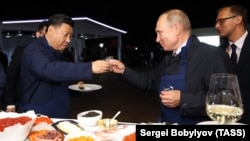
109,58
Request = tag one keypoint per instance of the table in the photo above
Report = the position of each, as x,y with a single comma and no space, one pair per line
122,133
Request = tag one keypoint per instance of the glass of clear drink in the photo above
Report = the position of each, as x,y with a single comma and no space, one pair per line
223,100
109,58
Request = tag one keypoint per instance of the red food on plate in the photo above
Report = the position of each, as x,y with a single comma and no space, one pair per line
130,137
46,135
7,122
43,119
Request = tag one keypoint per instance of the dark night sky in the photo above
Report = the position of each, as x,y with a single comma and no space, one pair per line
138,18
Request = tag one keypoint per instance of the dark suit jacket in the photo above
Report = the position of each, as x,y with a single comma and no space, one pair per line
44,77
203,60
2,77
12,78
2,83
4,60
242,70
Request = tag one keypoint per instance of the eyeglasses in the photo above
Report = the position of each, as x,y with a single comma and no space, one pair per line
222,20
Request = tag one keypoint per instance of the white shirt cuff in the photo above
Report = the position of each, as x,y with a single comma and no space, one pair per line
11,106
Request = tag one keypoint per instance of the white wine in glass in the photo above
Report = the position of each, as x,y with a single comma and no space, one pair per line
223,101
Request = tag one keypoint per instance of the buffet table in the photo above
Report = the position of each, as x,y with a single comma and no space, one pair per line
29,127
121,133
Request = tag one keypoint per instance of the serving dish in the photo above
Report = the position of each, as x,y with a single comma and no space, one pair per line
67,126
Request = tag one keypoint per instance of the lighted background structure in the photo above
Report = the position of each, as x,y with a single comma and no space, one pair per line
17,33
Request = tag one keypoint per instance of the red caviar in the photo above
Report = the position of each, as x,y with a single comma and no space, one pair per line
6,122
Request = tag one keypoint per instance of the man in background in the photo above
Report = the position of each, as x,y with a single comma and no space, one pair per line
13,72
4,60
2,84
4,64
231,24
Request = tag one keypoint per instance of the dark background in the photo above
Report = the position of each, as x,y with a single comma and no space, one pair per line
138,18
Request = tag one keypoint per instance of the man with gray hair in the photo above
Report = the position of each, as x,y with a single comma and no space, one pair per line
181,80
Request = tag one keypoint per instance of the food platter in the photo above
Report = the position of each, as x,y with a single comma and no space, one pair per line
87,87
71,129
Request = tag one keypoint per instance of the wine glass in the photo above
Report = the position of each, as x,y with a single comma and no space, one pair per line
223,101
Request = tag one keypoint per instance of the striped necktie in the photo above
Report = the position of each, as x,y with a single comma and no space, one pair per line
234,55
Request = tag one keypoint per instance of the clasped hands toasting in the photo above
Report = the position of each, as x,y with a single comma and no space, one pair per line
170,98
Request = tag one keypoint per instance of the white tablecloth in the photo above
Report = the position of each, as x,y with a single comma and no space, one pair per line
118,134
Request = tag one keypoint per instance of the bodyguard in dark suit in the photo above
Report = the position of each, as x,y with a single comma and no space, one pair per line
2,84
4,60
231,25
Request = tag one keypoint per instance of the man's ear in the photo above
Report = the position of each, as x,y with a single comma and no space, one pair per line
238,19
177,28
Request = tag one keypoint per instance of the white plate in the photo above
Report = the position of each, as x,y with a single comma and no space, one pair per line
216,123
87,87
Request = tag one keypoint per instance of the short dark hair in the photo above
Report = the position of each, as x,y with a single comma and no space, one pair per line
240,10
237,10
59,19
42,25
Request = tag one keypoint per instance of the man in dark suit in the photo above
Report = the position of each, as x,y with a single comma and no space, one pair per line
4,60
4,64
186,73
45,76
2,84
231,23
13,72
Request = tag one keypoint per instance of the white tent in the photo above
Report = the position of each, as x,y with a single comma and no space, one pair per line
84,28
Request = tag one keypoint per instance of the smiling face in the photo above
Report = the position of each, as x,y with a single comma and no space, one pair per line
59,36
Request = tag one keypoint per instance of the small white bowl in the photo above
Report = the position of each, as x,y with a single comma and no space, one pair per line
89,118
